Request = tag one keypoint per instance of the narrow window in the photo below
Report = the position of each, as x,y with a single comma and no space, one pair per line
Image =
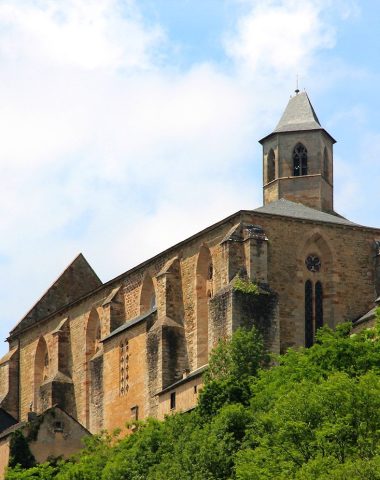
318,305
135,413
271,166
308,314
172,401
325,164
299,160
195,389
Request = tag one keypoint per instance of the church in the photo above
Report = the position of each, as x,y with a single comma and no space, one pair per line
137,345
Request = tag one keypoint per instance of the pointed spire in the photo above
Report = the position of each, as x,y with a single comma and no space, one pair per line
298,115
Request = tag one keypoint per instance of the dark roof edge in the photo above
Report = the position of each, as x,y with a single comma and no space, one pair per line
293,131
354,226
129,324
240,213
135,268
22,424
194,374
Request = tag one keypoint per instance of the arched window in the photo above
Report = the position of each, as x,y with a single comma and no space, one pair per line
309,333
318,305
204,291
271,166
299,160
325,164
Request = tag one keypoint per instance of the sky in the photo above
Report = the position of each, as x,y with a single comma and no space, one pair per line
127,126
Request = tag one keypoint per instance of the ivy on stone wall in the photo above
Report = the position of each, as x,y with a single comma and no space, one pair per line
19,451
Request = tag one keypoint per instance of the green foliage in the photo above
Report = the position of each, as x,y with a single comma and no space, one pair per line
315,415
245,286
231,366
44,471
19,451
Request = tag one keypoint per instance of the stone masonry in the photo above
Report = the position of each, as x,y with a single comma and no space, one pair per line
137,346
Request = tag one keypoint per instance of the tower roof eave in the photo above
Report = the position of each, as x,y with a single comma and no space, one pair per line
276,132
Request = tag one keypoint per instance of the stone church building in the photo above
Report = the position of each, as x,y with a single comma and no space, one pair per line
136,346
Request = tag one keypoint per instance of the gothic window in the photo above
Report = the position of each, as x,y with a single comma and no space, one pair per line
318,305
124,367
299,160
271,166
325,164
308,314
313,263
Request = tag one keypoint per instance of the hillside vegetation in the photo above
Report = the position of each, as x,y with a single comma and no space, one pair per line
309,414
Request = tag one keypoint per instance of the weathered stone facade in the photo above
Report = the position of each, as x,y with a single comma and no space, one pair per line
137,345
51,435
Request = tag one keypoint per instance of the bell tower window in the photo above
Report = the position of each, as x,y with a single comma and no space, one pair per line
299,160
271,166
325,164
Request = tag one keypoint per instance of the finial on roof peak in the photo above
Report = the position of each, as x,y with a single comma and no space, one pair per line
297,90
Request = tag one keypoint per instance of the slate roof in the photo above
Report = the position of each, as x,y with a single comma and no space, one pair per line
371,315
130,323
6,420
76,280
286,208
191,375
298,115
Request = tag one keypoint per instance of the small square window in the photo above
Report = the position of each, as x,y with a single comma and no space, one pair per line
172,401
58,426
135,413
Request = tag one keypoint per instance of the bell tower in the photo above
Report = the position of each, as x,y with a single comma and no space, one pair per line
298,158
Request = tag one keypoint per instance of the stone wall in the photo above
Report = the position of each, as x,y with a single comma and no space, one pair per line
165,342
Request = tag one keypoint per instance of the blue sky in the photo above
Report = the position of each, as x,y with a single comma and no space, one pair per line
127,126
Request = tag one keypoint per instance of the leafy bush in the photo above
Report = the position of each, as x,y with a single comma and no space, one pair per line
315,415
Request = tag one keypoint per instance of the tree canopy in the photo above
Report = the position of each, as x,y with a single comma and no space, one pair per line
308,414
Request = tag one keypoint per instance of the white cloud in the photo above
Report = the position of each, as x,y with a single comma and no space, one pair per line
104,151
280,37
86,34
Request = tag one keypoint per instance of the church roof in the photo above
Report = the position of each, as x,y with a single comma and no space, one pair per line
76,280
286,208
299,115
